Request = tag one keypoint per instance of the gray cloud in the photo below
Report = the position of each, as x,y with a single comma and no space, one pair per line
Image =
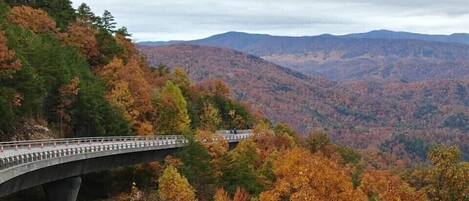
189,19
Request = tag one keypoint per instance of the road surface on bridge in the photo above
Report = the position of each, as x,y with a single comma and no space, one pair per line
20,157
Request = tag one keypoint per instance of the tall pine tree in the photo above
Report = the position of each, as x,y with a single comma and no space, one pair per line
108,21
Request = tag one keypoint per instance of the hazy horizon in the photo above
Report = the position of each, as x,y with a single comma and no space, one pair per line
171,40
187,20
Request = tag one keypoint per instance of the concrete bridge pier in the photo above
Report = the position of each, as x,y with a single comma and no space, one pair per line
63,190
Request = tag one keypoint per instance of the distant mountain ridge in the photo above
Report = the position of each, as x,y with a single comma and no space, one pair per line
462,38
382,55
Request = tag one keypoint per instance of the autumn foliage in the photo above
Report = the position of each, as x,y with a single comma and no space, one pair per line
240,195
215,144
210,118
221,195
82,37
172,186
87,78
129,90
384,186
8,62
449,177
68,95
36,20
302,176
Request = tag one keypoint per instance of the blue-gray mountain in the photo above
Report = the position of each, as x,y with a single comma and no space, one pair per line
376,55
386,34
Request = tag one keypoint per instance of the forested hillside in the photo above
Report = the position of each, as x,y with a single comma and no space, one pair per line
352,57
78,75
357,113
67,72
281,94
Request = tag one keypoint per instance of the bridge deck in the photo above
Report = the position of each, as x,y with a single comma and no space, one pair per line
20,152
25,164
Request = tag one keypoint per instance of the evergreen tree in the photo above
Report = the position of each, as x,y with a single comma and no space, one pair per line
6,113
108,47
123,32
85,15
61,10
196,168
108,22
4,9
239,169
47,66
171,107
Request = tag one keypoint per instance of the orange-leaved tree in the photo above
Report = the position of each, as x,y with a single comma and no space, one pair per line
303,176
172,186
384,186
82,37
210,118
128,47
128,90
221,195
215,144
241,195
135,75
216,147
8,61
36,20
213,87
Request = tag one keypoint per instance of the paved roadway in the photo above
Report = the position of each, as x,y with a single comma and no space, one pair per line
20,152
58,163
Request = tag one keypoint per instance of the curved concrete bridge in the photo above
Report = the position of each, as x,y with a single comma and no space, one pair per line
58,164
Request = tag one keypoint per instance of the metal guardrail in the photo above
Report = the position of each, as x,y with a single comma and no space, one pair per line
22,152
221,132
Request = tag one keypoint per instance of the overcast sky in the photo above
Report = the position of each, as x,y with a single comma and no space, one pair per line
160,20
